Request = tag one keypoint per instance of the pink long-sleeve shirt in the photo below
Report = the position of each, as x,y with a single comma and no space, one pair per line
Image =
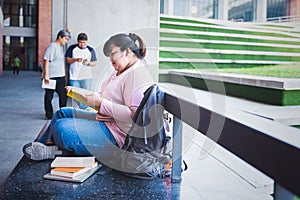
122,95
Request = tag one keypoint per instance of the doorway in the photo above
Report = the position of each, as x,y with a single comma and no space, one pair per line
24,48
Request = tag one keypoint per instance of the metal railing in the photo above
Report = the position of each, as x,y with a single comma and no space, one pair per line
284,19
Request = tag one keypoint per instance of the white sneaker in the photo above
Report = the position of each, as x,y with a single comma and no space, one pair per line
39,151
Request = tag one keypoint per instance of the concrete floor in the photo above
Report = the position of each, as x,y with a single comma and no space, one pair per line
22,115
216,174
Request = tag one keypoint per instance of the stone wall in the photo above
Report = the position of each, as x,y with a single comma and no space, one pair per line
102,19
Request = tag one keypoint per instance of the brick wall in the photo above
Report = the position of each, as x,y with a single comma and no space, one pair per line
294,7
44,26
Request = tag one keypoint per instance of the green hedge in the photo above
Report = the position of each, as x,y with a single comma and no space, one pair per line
189,65
263,26
185,21
193,44
225,38
255,93
218,30
199,55
190,43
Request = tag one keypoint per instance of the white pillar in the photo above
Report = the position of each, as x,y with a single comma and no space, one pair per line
21,24
58,17
170,7
261,10
223,9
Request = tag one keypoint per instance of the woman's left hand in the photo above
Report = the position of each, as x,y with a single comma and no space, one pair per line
94,100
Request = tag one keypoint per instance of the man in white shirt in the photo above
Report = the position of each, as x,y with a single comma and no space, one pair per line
81,58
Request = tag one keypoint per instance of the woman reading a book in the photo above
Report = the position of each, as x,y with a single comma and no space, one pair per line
78,132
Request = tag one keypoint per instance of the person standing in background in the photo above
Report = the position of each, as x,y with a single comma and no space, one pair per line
17,63
81,58
54,68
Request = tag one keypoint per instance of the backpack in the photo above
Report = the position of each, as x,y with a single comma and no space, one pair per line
147,150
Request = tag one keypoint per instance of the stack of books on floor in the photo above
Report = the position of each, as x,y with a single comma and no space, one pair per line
74,169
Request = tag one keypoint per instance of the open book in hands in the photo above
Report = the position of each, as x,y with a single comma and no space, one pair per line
76,93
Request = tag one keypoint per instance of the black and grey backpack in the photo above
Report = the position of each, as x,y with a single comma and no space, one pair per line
146,152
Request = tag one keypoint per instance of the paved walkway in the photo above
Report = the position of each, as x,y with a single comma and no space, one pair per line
22,115
215,174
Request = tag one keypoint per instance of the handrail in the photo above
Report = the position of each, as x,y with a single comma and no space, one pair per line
284,18
277,158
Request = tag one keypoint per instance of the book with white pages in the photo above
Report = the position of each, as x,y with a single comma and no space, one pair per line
61,161
51,85
78,179
71,172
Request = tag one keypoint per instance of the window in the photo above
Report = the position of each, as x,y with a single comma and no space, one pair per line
240,10
18,17
20,13
277,8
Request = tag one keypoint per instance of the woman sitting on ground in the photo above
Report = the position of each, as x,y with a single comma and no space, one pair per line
82,133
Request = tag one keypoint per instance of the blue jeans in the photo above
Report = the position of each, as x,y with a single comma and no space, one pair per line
78,132
85,83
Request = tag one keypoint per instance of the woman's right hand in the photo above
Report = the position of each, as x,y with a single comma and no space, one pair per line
68,88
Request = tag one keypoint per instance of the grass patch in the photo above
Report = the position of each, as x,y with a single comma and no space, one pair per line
218,30
195,44
282,71
199,66
297,126
185,20
223,38
199,55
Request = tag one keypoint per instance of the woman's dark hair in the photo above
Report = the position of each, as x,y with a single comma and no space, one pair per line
64,33
82,36
124,42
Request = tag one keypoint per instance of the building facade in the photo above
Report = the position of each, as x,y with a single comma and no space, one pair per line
237,10
19,38
28,26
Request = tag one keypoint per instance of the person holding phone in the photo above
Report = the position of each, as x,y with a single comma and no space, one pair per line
81,58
